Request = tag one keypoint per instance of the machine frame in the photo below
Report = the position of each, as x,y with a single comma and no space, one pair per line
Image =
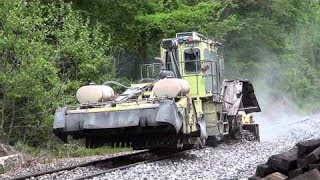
213,108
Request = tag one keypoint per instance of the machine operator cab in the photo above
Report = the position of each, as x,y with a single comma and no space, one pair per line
192,57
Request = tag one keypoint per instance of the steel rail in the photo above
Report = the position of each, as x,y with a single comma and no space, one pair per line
128,165
304,120
79,165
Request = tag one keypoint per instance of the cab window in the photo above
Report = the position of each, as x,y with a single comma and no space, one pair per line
192,62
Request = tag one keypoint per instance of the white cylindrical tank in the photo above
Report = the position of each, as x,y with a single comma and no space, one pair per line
171,88
94,93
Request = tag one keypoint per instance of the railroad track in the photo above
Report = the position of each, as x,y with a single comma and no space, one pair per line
304,120
91,163
160,156
112,163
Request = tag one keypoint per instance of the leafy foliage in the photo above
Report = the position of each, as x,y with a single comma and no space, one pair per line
203,17
49,48
275,43
279,47
73,149
137,27
46,52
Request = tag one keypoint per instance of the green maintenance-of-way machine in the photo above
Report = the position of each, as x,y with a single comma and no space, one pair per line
182,101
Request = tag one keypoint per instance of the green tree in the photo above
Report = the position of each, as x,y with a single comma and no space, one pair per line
279,44
46,52
137,27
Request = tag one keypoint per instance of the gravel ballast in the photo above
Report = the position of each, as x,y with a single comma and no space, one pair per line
229,160
35,167
233,160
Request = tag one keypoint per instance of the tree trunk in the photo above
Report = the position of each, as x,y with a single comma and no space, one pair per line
24,137
2,104
12,121
143,47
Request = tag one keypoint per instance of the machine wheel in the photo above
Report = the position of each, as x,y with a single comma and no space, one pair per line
93,143
249,136
200,143
236,134
89,143
251,132
212,141
235,128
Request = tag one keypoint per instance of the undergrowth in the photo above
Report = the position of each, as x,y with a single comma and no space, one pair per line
74,148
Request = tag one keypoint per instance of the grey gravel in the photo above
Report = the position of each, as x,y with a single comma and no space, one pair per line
233,160
230,160
37,167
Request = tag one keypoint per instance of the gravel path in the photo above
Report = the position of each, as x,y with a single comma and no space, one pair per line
231,160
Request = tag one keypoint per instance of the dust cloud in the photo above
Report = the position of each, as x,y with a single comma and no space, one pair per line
278,111
276,115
